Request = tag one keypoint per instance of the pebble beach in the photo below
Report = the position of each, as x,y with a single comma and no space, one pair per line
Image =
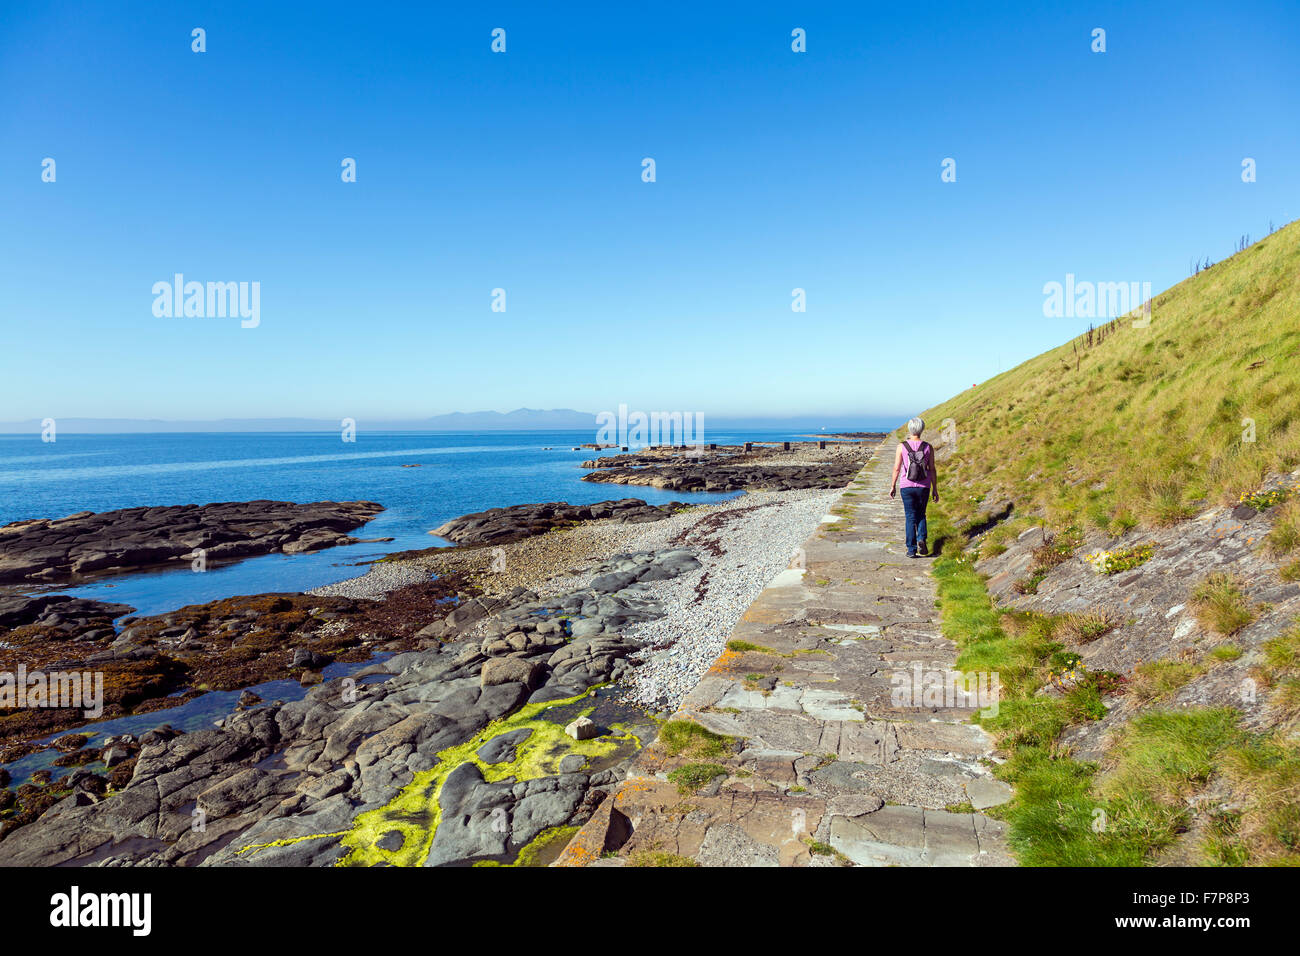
741,543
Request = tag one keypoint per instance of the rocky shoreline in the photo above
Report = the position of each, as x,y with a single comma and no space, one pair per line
351,748
522,679
88,545
734,467
166,660
503,525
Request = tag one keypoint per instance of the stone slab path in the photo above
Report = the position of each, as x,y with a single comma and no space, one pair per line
839,755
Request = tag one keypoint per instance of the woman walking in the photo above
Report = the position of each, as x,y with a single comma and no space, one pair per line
914,463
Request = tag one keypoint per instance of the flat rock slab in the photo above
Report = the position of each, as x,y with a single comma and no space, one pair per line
764,469
504,525
86,545
825,752
911,836
986,793
938,735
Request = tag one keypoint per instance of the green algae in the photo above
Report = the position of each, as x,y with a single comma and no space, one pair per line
532,854
415,813
287,841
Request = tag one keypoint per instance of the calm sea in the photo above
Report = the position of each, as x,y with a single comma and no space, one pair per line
458,473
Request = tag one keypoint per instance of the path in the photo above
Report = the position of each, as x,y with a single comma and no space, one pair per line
830,766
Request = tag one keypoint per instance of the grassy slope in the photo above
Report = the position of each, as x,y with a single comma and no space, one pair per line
1060,436
1068,812
1171,396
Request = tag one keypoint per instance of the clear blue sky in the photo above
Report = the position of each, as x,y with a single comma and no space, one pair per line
522,170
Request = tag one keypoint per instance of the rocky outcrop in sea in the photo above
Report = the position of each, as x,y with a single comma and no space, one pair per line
88,544
503,525
803,465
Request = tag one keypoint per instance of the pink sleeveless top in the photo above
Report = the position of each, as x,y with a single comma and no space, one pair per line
903,481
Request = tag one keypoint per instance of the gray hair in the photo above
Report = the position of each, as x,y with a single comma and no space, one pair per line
915,427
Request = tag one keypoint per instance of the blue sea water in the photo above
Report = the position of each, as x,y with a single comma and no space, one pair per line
459,473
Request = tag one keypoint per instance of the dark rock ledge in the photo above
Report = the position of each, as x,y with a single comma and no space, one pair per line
87,545
750,467
711,477
503,525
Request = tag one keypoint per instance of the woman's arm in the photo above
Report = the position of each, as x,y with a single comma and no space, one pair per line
898,464
934,476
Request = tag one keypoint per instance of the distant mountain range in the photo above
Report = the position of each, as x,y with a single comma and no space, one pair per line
521,419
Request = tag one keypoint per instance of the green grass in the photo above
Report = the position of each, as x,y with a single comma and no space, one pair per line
1219,603
1030,584
1087,627
1260,824
690,777
1067,812
1055,549
1281,673
1284,536
818,848
744,647
1265,776
685,738
1282,653
658,858
1156,679
1169,755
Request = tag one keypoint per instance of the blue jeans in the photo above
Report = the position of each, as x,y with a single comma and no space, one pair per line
914,502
